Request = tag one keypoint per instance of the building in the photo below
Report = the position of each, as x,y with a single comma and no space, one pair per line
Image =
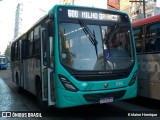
18,20
125,6
113,4
28,13
135,8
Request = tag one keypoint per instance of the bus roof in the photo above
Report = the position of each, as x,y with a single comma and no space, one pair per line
146,20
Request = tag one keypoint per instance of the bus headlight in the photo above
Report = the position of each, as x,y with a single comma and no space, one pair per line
67,84
133,79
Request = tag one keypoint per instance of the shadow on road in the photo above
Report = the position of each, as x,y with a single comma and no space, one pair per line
145,102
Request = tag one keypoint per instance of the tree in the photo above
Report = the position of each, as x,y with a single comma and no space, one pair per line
8,50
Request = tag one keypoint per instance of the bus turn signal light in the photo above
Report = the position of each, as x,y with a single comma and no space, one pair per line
133,79
67,84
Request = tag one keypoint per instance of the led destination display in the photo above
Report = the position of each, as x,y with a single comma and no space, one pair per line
89,14
92,15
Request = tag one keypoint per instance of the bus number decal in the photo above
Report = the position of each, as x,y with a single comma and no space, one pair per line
119,83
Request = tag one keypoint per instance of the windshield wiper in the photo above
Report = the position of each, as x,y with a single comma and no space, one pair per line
113,31
108,37
91,36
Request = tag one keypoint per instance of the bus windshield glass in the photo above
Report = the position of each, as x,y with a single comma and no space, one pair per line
94,40
111,49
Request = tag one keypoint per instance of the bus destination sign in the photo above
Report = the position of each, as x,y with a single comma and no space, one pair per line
92,15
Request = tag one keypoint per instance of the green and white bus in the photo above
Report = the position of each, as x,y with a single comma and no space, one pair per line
77,56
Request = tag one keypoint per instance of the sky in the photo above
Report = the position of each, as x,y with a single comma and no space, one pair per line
6,23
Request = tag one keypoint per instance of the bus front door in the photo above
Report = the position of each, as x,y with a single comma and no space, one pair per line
46,69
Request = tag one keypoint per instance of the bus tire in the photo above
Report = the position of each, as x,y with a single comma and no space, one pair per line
42,104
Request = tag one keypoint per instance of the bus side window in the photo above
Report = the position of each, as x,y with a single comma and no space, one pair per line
36,41
157,44
138,36
44,48
50,28
25,50
27,43
30,45
12,51
16,51
153,38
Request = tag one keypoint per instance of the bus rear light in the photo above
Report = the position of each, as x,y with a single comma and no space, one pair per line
67,84
133,79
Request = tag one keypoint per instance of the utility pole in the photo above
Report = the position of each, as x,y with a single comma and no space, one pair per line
144,9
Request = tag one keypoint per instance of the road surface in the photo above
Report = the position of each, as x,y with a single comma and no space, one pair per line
12,101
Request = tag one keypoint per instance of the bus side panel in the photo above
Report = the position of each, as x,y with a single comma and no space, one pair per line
143,87
25,74
153,88
15,71
33,72
33,69
149,74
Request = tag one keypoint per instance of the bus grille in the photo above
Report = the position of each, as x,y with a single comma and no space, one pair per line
96,97
101,77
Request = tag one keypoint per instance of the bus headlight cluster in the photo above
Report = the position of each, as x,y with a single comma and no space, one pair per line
133,79
67,84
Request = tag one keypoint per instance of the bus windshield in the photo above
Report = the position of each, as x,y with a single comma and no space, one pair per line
102,48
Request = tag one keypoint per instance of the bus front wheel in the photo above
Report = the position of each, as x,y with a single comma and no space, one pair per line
42,104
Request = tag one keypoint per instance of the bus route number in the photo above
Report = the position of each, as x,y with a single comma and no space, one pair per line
73,13
119,83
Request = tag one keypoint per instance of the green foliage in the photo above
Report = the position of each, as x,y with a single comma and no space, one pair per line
8,50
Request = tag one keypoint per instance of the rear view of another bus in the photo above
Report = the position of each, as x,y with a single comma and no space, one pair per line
147,37
3,62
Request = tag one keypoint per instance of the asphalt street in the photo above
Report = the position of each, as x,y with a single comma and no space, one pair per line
12,101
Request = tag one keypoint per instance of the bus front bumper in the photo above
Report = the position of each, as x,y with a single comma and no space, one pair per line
67,98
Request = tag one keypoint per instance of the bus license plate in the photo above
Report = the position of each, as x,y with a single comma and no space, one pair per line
106,100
